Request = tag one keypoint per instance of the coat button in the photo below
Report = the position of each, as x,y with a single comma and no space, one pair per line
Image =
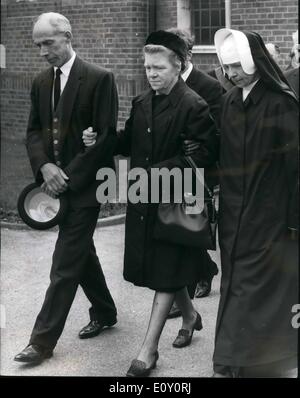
147,159
56,153
148,130
55,131
55,120
58,163
142,218
55,142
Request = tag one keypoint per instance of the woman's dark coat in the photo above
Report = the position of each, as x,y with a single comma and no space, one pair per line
258,204
154,139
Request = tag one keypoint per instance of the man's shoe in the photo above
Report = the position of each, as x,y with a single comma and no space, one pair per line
184,336
95,327
220,375
203,287
174,312
34,354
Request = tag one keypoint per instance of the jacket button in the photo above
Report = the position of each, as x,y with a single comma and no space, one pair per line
55,120
148,130
56,153
55,131
142,218
58,163
55,142
147,159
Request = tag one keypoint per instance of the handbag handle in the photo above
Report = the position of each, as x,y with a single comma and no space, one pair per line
193,165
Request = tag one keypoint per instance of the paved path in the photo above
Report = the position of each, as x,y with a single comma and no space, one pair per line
25,266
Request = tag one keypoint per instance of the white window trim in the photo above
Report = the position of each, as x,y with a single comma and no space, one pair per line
211,49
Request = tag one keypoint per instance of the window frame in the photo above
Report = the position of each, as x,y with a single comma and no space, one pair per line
211,49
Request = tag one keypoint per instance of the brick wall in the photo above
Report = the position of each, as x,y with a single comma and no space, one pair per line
166,14
110,33
107,33
275,21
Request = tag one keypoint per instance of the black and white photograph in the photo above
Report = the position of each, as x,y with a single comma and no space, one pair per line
149,192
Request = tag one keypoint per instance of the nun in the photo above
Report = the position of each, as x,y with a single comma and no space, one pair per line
258,214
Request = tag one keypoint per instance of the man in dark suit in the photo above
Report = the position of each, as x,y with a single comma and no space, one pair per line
211,91
292,76
66,99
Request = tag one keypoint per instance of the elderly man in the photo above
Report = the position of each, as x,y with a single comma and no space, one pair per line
65,99
258,213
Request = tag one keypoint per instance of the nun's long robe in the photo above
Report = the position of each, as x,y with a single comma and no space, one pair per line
258,204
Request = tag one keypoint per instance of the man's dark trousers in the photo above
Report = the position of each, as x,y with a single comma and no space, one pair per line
75,262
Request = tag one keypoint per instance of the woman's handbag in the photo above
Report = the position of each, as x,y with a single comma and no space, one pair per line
181,224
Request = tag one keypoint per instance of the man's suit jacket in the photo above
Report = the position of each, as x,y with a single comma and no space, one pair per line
292,76
89,99
208,88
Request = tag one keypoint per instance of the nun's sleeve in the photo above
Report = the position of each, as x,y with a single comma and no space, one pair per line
288,132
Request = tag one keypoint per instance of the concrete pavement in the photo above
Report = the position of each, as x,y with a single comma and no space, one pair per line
25,266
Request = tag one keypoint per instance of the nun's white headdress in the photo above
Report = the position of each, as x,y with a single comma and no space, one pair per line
233,46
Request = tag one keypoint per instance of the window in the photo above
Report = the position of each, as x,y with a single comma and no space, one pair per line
206,17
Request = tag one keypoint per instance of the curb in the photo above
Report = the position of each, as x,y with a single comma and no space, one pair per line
102,222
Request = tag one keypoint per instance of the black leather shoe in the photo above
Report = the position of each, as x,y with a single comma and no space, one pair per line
95,327
184,336
138,368
220,375
203,287
33,353
174,312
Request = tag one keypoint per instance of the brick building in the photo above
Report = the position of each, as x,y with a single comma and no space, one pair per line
111,33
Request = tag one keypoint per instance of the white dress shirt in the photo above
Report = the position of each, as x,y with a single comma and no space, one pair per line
65,69
187,72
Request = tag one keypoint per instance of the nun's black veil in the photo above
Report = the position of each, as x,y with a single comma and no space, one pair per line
269,71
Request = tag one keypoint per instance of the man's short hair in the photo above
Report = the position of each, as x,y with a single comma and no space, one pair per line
184,35
58,21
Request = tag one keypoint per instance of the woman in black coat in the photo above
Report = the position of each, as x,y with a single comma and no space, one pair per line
152,137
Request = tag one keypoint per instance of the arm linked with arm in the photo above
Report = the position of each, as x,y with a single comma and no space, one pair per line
84,166
201,128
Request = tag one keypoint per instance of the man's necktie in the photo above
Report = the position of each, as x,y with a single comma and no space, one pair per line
57,87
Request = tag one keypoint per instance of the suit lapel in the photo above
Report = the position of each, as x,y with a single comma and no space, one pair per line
192,78
67,99
46,97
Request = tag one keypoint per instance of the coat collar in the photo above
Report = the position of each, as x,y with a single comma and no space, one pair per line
173,98
254,96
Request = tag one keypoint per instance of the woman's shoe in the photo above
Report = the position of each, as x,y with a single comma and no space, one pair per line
138,368
184,336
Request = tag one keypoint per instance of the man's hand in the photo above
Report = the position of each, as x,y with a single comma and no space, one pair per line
54,180
89,136
190,147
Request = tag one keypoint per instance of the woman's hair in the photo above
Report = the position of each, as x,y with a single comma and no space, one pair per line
173,57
